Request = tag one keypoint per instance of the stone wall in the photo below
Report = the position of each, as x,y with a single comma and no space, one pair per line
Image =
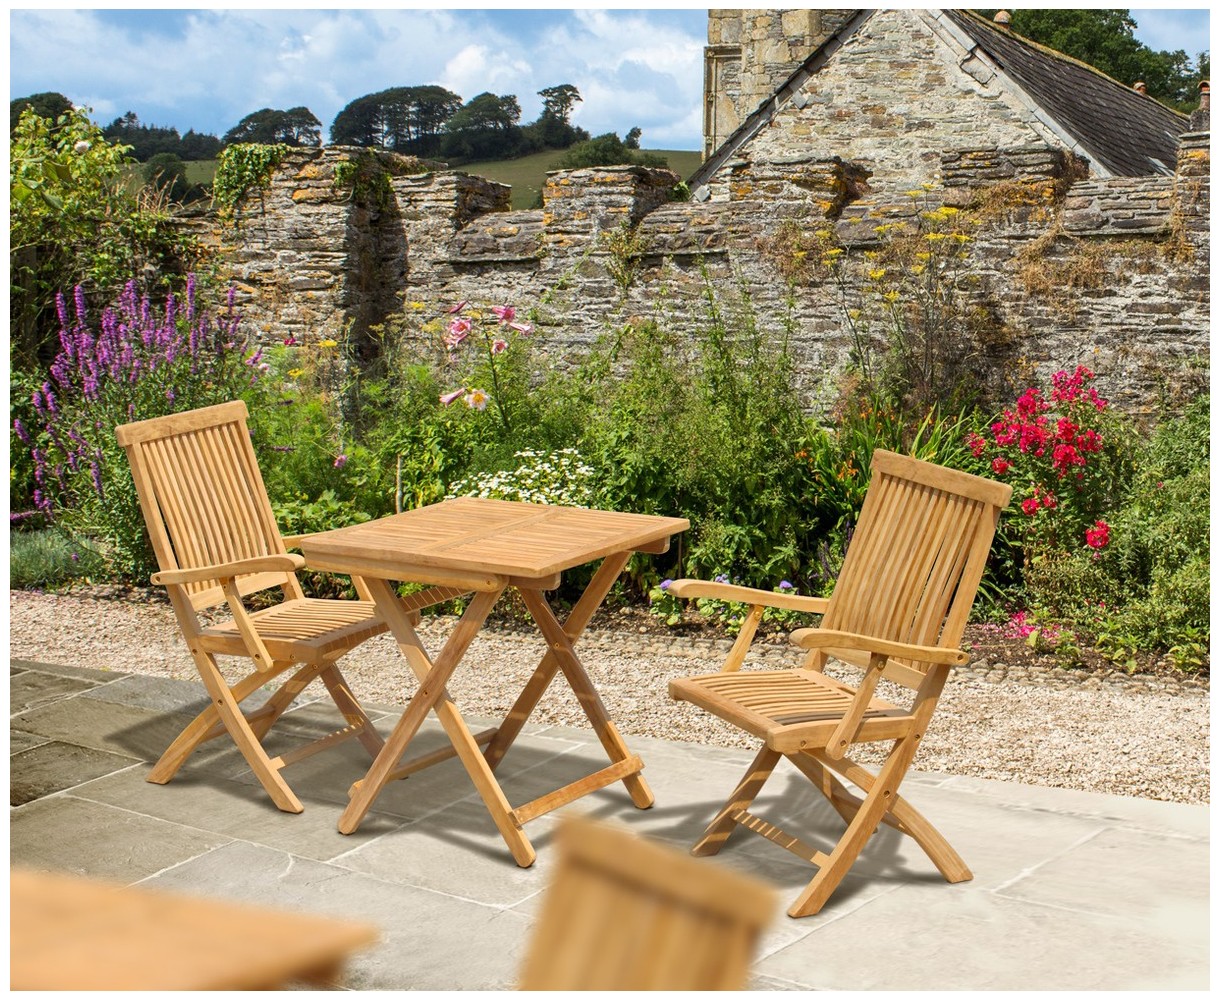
1070,268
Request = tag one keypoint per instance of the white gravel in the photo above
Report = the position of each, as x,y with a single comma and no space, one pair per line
1145,740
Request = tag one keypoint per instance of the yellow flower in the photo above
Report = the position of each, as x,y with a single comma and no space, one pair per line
799,254
917,269
823,234
923,255
833,252
296,372
876,273
854,314
934,237
328,343
915,194
417,306
961,237
891,296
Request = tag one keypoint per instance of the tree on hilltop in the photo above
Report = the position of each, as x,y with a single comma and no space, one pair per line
270,126
485,128
404,119
554,130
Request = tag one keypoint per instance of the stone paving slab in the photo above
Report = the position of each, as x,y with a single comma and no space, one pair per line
55,767
1072,890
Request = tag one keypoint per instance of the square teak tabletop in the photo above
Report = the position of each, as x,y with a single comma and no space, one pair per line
482,547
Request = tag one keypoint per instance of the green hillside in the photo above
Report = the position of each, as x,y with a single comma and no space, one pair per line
527,174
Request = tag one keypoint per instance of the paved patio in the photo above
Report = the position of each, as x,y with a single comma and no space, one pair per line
1072,890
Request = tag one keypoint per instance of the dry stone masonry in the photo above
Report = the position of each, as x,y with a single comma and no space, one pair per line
1076,267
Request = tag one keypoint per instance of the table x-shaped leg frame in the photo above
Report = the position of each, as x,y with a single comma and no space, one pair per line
433,696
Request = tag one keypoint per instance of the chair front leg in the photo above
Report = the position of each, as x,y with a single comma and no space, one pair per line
243,735
861,827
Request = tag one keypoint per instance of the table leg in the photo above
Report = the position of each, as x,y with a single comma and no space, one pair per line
587,694
549,666
432,677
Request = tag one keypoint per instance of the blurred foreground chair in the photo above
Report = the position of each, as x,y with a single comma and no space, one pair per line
898,612
216,541
625,914
73,933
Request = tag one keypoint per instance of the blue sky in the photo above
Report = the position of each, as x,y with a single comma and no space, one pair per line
208,68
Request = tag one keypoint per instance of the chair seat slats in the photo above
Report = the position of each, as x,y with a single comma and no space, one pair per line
307,625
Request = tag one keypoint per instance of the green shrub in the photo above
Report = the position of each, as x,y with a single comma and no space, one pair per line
74,221
50,558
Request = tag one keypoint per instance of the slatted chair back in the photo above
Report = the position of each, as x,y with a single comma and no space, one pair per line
916,558
625,914
203,497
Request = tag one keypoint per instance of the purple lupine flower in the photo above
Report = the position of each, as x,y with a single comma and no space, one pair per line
50,399
79,297
61,310
785,585
41,501
340,460
169,394
36,399
95,474
190,311
22,434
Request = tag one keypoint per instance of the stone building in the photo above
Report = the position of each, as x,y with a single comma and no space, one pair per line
1092,199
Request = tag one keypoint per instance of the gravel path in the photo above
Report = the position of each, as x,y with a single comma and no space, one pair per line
1145,737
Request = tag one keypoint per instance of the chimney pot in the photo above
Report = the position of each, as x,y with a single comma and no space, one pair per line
1002,18
1139,87
1203,95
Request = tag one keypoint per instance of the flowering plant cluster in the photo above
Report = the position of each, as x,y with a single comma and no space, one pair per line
493,340
562,477
1051,447
140,362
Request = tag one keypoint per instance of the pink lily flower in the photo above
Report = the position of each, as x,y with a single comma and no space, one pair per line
449,397
504,313
525,329
458,308
499,345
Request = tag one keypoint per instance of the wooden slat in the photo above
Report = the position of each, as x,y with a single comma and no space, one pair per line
794,845
576,789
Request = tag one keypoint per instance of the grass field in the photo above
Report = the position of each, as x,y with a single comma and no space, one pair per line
526,175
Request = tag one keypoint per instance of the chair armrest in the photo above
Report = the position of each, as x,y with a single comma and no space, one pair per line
287,563
692,589
818,638
294,541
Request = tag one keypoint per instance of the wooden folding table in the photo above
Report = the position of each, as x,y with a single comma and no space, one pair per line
482,547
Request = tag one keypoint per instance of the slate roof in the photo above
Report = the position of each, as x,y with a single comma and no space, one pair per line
1129,133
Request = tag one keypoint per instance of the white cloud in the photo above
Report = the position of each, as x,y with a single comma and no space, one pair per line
207,69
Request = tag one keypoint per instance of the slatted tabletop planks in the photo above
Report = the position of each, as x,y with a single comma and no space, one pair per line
499,537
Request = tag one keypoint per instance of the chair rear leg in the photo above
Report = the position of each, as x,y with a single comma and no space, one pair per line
723,824
351,709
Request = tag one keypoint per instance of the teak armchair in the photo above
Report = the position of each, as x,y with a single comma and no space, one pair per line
216,542
898,612
626,914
